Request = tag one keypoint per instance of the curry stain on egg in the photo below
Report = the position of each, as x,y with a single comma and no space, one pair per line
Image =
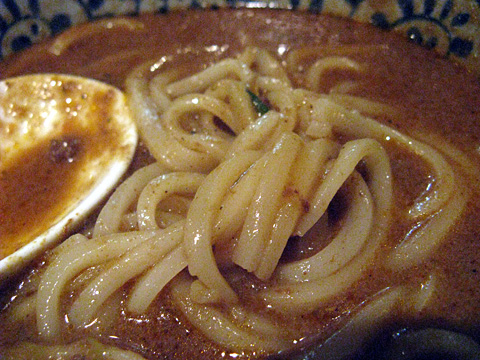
64,143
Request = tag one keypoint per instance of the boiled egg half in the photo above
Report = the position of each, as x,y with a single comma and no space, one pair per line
65,142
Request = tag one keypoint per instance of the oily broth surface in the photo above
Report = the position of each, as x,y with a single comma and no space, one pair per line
431,94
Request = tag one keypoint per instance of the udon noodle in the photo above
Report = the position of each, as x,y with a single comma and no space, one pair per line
245,160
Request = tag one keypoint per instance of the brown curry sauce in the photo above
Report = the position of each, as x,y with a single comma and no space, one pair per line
432,94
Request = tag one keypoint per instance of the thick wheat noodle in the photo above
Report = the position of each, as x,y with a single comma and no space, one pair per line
468,164
283,227
352,152
280,96
200,220
346,244
172,209
208,143
160,188
308,167
223,329
264,63
112,60
170,153
256,230
65,40
149,285
316,71
298,57
293,297
208,77
75,257
233,93
420,242
365,106
353,124
156,88
132,263
232,211
257,135
24,309
110,218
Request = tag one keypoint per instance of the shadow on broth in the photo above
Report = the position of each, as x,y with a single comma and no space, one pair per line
305,187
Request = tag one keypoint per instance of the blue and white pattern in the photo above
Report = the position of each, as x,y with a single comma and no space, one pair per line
441,15
449,26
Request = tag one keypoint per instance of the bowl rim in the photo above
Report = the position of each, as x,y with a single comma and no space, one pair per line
450,27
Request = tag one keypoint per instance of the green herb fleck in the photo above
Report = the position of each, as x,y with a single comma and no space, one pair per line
259,105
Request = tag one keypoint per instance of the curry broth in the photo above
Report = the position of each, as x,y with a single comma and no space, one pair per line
431,95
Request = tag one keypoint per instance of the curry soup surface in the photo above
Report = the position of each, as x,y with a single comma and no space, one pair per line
431,94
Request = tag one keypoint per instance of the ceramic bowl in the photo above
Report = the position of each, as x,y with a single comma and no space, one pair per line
451,27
